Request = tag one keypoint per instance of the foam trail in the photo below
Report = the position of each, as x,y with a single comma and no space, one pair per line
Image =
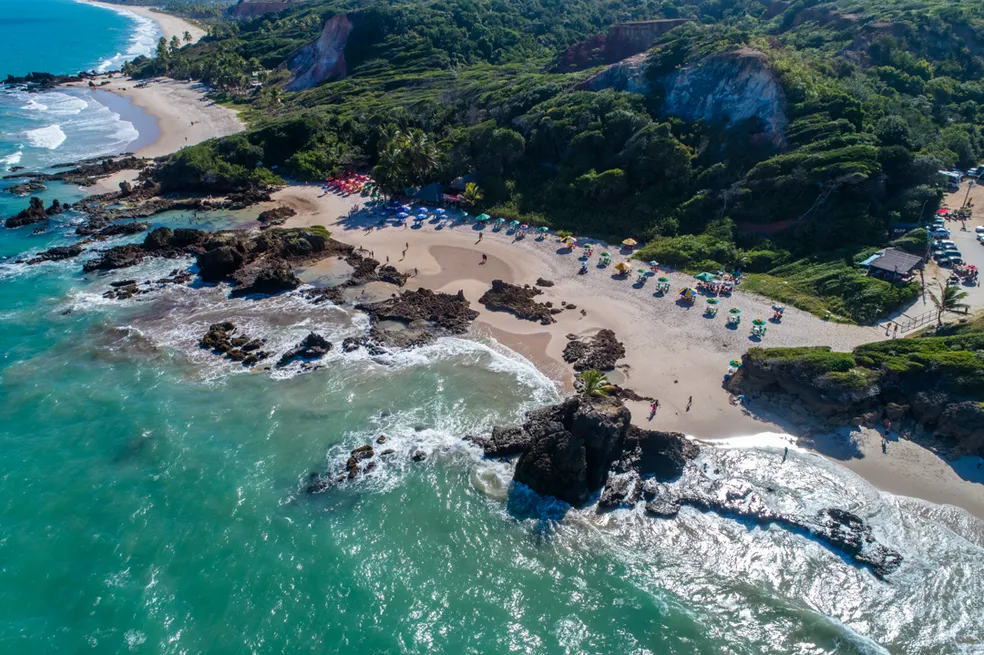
49,137
143,41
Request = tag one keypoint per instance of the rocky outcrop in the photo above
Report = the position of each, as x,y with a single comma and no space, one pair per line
26,189
34,213
268,277
323,59
622,41
572,450
162,242
220,340
275,216
601,352
421,315
840,529
55,254
734,87
963,424
628,75
517,300
219,263
314,346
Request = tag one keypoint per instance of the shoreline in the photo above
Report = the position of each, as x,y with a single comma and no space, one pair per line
168,24
173,106
651,328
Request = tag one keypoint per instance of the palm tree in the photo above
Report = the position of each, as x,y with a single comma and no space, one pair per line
472,194
175,43
595,383
187,36
948,301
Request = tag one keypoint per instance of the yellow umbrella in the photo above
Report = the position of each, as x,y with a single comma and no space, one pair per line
622,267
630,243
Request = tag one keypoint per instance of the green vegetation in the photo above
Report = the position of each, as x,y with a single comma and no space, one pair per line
878,95
954,363
949,299
595,383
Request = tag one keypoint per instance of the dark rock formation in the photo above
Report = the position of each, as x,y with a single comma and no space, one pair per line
116,257
425,315
26,189
56,254
220,340
601,352
963,423
34,213
218,264
275,216
540,282
837,528
122,229
505,297
56,208
162,242
314,346
322,59
267,277
572,450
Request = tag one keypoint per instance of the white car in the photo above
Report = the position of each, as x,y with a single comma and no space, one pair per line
941,234
979,229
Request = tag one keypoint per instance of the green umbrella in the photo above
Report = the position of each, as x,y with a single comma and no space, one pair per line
712,301
735,310
483,217
641,271
606,254
663,278
706,277
514,222
544,229
735,362
758,321
500,220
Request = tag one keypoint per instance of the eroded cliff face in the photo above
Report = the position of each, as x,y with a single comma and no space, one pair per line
621,41
247,9
734,86
627,75
323,59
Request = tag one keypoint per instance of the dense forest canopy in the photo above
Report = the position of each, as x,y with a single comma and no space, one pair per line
875,97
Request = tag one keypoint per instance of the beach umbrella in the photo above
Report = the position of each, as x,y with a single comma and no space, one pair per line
524,226
778,308
641,271
482,218
439,211
663,278
712,301
706,277
734,310
464,214
654,264
622,267
544,230
735,362
514,223
402,215
500,220
758,321
630,243
406,208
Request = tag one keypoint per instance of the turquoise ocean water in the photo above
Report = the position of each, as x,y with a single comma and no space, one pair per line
152,500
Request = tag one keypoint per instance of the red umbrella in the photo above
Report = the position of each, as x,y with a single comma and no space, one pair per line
941,211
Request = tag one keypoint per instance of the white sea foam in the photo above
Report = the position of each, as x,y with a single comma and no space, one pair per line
9,161
34,105
49,137
143,41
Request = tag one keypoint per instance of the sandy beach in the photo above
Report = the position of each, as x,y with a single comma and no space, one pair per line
674,353
169,25
184,116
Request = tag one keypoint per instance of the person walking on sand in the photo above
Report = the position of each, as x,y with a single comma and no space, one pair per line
479,238
690,401
896,332
387,259
785,454
485,258
652,409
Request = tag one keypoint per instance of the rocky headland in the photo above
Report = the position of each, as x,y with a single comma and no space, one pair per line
584,449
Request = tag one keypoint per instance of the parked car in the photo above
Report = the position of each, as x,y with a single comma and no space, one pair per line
941,234
954,257
979,229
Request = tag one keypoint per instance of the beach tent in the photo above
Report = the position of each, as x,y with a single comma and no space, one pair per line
706,277
431,193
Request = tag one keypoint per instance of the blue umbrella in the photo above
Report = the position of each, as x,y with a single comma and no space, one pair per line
438,211
402,215
423,210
